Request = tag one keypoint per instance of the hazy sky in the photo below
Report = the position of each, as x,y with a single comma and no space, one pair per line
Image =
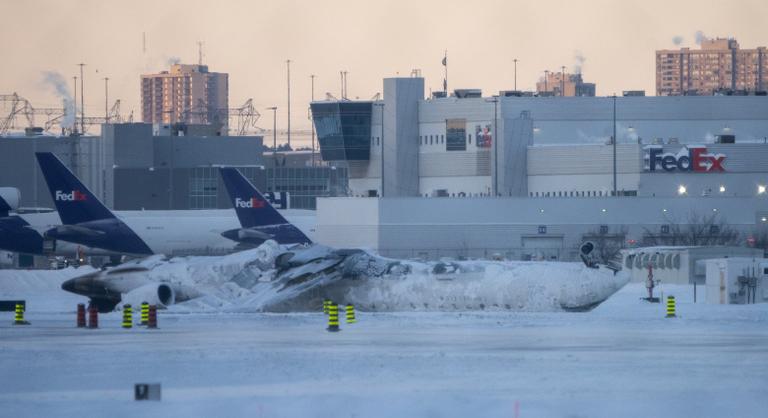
251,40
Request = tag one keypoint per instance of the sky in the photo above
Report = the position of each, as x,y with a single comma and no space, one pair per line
251,40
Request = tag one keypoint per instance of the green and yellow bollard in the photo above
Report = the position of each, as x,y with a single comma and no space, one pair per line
127,316
19,317
326,304
333,317
671,307
351,314
144,314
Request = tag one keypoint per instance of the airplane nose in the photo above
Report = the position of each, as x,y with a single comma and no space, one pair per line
69,285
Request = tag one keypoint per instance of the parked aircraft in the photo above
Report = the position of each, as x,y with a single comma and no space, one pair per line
85,221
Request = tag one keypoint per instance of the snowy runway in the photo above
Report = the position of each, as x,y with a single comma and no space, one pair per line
624,358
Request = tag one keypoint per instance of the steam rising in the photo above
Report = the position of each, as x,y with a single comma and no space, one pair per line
700,37
173,60
677,40
579,58
61,87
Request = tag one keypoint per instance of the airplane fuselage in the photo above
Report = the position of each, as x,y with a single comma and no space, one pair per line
182,232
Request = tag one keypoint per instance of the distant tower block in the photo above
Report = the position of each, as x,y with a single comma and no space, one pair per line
185,94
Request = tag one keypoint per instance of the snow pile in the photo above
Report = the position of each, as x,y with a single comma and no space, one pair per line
247,282
42,288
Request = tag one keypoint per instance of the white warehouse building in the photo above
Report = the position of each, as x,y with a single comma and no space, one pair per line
706,156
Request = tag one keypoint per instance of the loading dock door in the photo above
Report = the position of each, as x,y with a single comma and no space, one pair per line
542,248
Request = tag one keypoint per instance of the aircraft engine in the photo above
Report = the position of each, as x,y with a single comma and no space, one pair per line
159,294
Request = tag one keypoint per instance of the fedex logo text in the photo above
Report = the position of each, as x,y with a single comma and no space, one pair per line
73,196
249,204
695,159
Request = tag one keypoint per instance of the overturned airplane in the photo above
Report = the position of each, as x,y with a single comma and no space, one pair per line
272,279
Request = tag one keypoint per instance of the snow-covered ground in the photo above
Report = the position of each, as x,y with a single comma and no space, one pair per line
622,359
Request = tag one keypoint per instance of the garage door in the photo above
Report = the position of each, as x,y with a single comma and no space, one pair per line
542,248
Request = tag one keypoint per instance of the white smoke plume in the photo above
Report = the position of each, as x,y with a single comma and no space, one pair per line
579,58
61,87
700,37
677,40
173,60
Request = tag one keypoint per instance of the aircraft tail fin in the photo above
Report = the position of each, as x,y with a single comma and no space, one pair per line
252,208
74,202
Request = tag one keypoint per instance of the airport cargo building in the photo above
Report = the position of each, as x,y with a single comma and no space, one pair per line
136,166
554,177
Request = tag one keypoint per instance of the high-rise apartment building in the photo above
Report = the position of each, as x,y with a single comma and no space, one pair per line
185,94
718,66
564,84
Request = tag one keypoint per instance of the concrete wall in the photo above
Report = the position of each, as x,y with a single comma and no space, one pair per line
401,132
19,168
511,157
564,168
478,227
692,119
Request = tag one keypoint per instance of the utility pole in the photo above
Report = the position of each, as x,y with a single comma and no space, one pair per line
101,143
288,63
106,99
312,77
381,105
515,61
614,146
562,81
74,108
82,100
274,146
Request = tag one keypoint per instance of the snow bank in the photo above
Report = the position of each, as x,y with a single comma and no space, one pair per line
42,288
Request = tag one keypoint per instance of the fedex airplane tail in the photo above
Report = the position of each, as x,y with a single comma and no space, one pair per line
259,220
74,202
85,219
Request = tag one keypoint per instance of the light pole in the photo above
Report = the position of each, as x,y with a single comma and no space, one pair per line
381,105
515,61
82,100
106,99
312,77
562,81
615,194
274,146
74,108
288,63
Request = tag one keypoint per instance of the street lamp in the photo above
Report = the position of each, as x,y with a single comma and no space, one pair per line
381,105
615,194
515,61
312,77
562,81
274,145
